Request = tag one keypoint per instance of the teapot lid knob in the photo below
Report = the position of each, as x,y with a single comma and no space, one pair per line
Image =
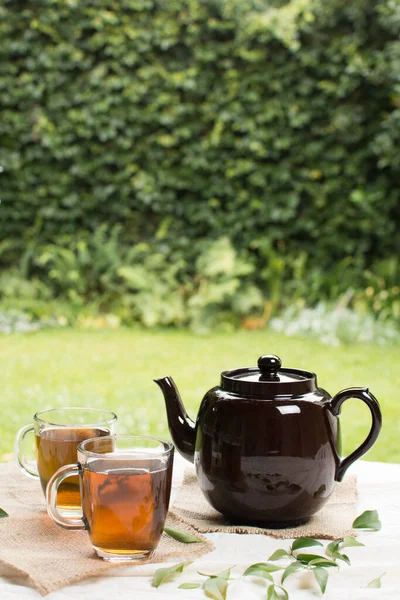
269,365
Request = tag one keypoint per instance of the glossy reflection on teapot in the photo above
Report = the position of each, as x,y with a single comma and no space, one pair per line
266,442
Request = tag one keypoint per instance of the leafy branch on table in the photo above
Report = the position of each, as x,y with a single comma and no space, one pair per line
215,586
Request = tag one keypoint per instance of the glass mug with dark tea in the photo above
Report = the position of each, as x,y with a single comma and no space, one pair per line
125,491
58,431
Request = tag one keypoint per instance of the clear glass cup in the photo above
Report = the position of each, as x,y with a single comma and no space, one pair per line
125,484
58,431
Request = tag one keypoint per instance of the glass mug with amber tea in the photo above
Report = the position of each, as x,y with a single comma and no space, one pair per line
58,432
125,490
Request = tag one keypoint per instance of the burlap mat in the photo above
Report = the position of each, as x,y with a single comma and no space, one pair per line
53,557
333,521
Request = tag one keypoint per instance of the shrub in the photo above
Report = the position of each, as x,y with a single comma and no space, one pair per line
272,124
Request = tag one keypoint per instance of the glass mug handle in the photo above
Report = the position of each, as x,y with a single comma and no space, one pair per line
51,498
19,450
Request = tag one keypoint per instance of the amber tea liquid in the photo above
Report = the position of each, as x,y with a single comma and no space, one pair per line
56,447
124,507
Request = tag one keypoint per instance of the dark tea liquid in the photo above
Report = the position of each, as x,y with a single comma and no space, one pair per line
56,447
124,508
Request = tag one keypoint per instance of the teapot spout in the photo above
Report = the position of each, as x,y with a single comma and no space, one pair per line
181,427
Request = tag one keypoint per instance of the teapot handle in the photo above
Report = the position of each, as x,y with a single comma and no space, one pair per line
335,406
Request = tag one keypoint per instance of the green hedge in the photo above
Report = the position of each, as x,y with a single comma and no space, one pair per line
274,124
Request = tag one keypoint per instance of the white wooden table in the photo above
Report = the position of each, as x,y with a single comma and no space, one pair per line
379,488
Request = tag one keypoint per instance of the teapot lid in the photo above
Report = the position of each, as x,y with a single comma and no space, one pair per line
268,379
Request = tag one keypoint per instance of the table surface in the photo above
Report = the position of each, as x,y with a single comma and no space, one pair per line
378,487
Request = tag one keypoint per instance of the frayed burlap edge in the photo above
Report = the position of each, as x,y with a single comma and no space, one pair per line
333,521
51,557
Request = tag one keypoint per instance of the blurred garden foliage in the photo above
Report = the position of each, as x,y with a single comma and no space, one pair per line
180,162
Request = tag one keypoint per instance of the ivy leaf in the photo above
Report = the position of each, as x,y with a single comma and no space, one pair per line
189,586
322,578
376,583
3,514
369,519
161,574
215,588
182,536
295,566
350,540
304,542
278,554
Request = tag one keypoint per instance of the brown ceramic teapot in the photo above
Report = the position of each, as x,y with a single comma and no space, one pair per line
266,442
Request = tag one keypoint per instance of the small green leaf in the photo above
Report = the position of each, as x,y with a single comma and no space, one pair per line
182,536
189,586
265,567
376,583
273,594
284,593
332,548
369,519
223,575
162,574
306,558
262,574
350,540
278,554
322,578
295,566
341,556
3,514
215,588
322,562
256,571
304,542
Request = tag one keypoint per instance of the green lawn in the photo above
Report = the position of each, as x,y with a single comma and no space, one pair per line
115,368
